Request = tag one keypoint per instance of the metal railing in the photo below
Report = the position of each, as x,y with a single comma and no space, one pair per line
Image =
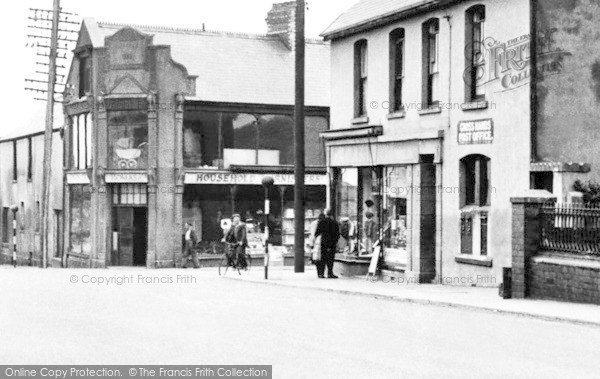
570,228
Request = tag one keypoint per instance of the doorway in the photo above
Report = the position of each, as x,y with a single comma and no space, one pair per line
130,236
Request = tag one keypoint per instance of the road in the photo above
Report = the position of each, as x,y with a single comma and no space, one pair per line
45,318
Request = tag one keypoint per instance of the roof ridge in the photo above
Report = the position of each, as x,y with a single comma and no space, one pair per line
181,30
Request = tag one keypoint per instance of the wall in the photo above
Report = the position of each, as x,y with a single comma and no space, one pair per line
29,192
569,96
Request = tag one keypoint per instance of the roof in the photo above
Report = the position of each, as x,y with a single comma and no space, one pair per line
32,123
374,12
235,67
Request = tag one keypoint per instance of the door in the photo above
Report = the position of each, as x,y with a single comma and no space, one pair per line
58,222
123,256
140,235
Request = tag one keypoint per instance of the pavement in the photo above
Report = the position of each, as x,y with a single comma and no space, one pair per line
471,298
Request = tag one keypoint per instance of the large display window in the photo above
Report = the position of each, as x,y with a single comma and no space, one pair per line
80,212
128,139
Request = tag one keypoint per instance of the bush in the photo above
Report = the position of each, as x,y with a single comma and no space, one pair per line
590,190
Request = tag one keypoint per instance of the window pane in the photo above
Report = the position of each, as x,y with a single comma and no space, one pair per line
89,128
80,208
128,139
82,139
314,145
201,138
275,140
74,142
370,197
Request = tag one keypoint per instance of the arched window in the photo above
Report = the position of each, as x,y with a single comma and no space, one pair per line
475,180
360,77
396,69
475,53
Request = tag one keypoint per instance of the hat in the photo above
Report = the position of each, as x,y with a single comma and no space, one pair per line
236,215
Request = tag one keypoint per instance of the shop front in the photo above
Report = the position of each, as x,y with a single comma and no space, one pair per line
385,198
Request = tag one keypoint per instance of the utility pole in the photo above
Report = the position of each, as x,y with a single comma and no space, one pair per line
48,133
299,147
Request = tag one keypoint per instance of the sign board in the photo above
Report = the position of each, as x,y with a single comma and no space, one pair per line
475,132
77,178
374,260
126,177
225,177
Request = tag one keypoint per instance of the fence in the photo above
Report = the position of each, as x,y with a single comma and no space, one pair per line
571,228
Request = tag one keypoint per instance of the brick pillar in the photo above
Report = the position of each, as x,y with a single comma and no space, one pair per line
526,227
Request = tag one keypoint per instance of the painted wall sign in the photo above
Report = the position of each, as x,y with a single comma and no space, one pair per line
220,177
126,177
475,132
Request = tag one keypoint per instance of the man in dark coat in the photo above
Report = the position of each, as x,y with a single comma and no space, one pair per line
237,237
190,240
329,230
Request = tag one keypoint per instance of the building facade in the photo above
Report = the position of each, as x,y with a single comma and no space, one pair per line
167,126
21,175
441,112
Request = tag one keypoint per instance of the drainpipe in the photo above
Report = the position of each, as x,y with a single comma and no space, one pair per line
533,98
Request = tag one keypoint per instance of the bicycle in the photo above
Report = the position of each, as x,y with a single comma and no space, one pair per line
230,259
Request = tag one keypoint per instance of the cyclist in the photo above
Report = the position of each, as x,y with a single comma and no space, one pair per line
236,237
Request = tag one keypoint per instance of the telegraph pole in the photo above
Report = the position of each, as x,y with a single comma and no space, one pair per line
48,132
299,170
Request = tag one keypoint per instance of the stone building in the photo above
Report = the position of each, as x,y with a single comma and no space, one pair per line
169,125
442,111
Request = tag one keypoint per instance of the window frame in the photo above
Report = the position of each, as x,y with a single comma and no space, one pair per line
397,66
361,70
478,193
473,58
431,67
85,74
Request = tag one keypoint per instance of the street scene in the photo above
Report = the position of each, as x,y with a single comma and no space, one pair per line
350,188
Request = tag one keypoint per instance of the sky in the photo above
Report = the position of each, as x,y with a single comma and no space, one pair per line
21,114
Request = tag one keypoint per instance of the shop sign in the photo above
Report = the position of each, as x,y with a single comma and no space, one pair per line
475,132
77,178
126,177
250,178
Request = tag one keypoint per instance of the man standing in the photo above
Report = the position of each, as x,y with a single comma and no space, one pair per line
190,242
329,230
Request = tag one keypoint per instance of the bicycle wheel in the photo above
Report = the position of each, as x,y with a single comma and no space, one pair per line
243,270
223,265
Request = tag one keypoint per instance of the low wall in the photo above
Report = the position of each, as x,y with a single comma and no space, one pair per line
565,277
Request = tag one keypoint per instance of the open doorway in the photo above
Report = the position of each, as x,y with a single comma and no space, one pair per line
130,236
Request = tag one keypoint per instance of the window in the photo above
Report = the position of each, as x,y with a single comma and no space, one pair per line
475,174
80,209
81,126
396,69
360,78
431,62
15,174
85,76
29,159
5,225
130,194
475,58
127,139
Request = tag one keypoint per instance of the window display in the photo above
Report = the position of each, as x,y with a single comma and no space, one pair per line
128,139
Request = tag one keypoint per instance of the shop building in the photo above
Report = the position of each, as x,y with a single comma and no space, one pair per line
21,175
438,119
167,126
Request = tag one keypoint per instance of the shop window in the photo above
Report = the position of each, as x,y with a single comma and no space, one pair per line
431,62
81,127
397,187
85,75
80,213
275,136
475,180
396,69
314,145
128,139
360,78
475,59
130,194
5,225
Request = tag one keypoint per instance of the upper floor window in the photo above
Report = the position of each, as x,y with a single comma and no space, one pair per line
85,75
128,139
475,180
475,58
15,158
431,29
81,141
396,69
360,78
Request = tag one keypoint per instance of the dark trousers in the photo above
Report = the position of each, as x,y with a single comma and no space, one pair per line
187,252
327,259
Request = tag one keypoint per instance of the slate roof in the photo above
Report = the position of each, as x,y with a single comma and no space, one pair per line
235,67
366,11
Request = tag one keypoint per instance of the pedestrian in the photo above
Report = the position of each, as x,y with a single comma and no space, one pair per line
314,242
329,230
237,237
189,251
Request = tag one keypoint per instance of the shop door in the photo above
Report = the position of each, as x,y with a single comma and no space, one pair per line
130,236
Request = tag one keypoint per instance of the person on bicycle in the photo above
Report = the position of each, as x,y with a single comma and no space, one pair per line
236,236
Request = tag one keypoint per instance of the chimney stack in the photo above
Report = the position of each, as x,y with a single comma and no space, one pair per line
281,22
